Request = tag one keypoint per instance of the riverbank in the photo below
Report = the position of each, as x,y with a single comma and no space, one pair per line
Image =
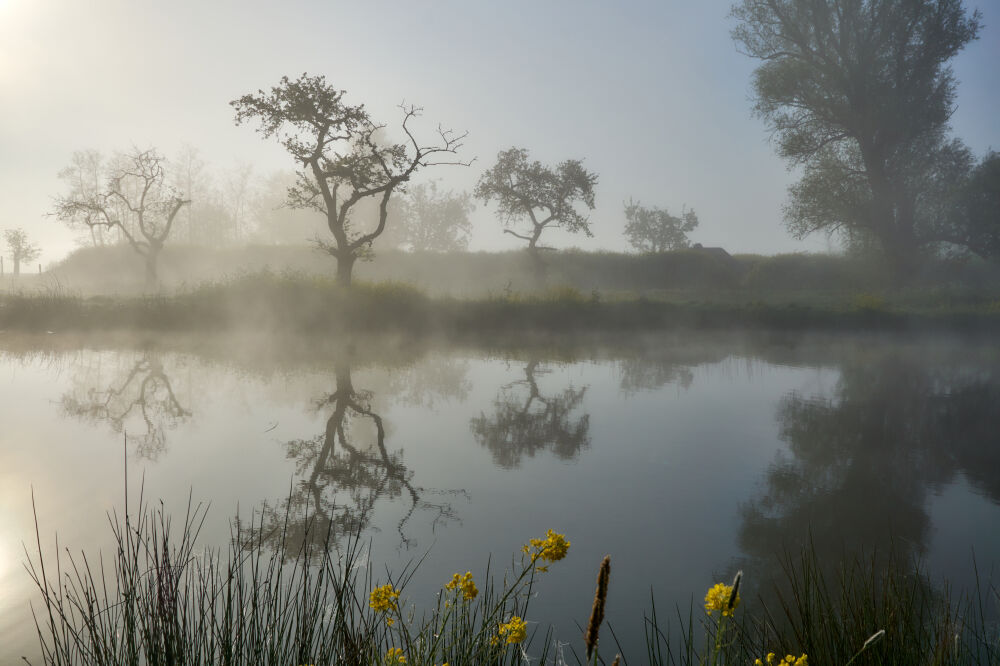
316,305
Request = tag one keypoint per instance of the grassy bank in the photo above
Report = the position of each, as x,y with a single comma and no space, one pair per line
276,598
267,301
117,270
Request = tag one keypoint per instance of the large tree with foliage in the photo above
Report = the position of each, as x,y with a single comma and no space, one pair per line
531,192
134,199
655,229
858,93
342,156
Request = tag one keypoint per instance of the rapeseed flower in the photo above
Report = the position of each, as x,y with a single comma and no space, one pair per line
552,548
514,631
717,599
383,598
789,660
395,656
464,583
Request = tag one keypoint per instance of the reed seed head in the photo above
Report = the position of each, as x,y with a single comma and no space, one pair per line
597,611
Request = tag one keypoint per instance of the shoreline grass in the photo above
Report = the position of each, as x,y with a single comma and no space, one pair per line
163,599
265,301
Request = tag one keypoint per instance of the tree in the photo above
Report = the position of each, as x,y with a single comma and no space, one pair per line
21,249
432,220
85,177
655,229
531,191
135,200
975,209
526,422
859,94
342,158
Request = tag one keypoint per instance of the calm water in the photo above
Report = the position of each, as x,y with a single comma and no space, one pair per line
683,457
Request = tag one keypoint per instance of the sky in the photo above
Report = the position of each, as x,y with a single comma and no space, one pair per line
653,96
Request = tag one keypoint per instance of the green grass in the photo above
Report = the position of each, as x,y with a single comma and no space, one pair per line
314,304
161,598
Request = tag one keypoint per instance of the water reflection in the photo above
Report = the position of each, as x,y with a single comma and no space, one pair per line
861,464
140,393
342,473
525,421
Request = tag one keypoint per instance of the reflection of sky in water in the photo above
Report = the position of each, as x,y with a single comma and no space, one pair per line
659,459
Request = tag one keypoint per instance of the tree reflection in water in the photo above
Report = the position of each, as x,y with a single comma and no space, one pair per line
860,464
525,421
342,473
143,390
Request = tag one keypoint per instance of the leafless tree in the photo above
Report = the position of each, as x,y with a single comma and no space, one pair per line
135,200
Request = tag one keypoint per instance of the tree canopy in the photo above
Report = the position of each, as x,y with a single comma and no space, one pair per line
21,249
431,219
543,196
858,93
655,229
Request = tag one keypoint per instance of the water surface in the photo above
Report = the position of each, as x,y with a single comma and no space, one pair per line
684,457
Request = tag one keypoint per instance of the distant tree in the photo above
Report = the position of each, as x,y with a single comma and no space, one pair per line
432,220
859,94
976,209
20,248
543,196
343,161
655,229
135,200
85,177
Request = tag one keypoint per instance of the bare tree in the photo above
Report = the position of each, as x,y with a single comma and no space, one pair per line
135,200
21,249
342,159
532,191
141,390
85,177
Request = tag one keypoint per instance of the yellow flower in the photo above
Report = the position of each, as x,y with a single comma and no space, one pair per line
717,599
552,548
465,583
395,656
515,631
389,621
383,598
789,660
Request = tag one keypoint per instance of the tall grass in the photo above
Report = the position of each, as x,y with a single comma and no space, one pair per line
160,598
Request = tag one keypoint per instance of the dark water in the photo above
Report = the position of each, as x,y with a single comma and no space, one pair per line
684,457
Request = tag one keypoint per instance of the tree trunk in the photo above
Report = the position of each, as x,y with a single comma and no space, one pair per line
345,268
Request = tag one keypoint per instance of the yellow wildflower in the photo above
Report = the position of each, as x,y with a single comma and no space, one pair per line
464,583
552,548
395,656
383,598
789,660
515,631
389,621
717,599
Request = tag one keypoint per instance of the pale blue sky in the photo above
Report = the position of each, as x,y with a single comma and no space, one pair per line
652,95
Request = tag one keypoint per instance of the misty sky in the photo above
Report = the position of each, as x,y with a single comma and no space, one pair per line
652,95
